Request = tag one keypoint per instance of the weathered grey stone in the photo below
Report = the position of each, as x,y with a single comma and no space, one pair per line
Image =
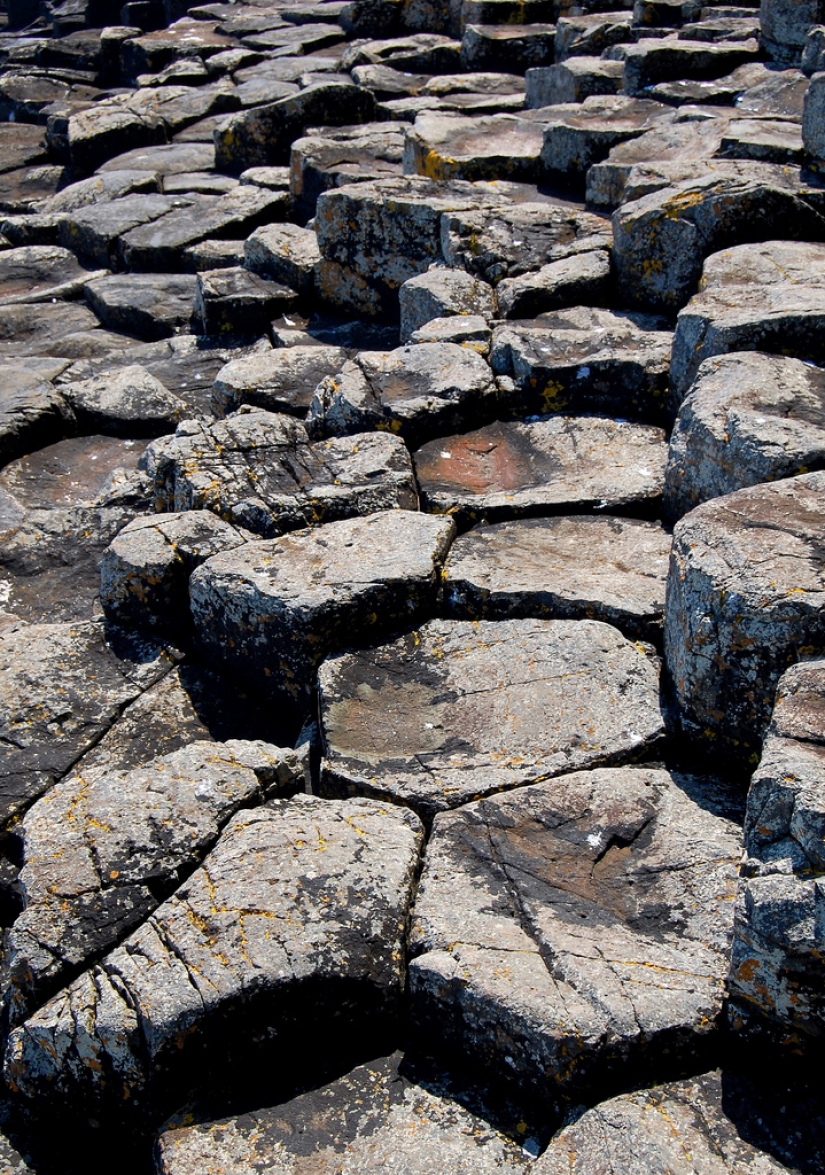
266,920
708,1125
340,156
585,359
62,686
385,82
586,34
766,297
654,60
374,236
274,610
408,1121
467,330
128,402
281,380
813,122
59,509
263,136
747,418
785,26
94,230
101,850
559,465
469,708
145,571
575,567
415,391
147,305
577,136
572,81
661,240
507,47
780,95
167,159
439,293
585,278
445,146
258,470
777,140
509,240
32,412
776,964
573,928
41,273
411,53
160,244
212,255
103,187
745,596
285,253
235,300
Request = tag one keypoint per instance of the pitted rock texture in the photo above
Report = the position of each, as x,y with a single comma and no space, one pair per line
573,927
405,1122
747,418
744,599
103,848
575,567
269,912
415,392
459,709
776,965
551,466
273,610
259,470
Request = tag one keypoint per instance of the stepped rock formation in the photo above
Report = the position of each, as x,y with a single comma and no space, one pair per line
412,587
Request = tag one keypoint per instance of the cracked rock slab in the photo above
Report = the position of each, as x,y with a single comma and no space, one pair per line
765,297
440,293
128,402
573,568
701,1126
459,709
508,241
444,146
573,930
258,470
747,418
41,273
415,392
274,609
147,305
578,135
745,597
281,380
776,964
104,847
407,1123
557,465
61,687
585,359
263,933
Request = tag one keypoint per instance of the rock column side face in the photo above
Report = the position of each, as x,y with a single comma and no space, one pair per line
274,609
777,970
267,930
745,599
565,932
460,709
104,846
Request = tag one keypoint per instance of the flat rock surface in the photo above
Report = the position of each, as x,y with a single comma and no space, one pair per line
552,466
407,1122
270,909
568,927
745,593
462,714
611,569
282,380
747,418
259,470
274,609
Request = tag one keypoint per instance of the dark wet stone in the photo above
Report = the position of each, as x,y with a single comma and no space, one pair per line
469,708
507,47
233,299
33,413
